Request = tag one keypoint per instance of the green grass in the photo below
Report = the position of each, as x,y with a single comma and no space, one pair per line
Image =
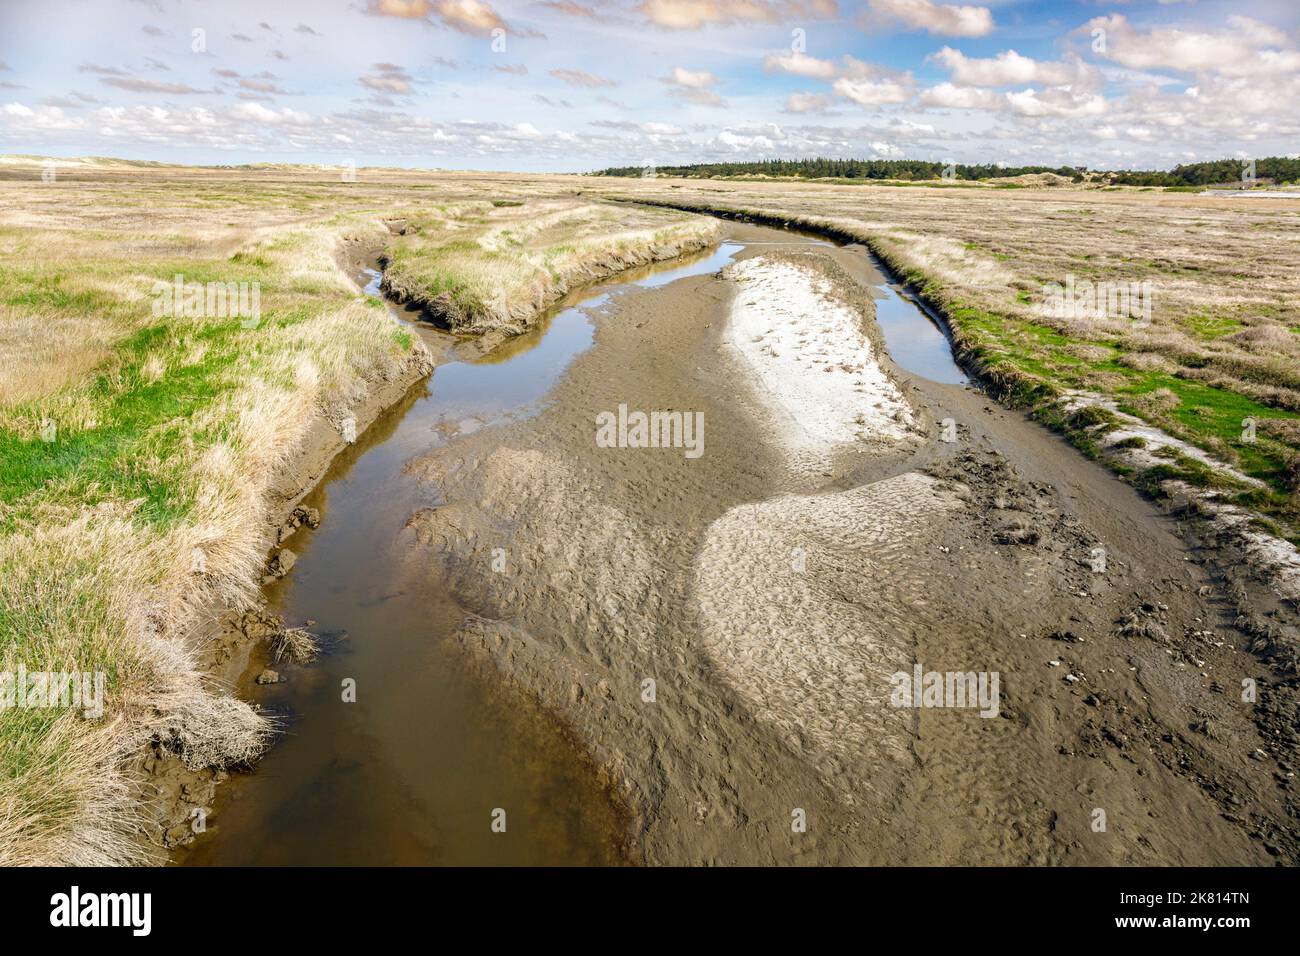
121,457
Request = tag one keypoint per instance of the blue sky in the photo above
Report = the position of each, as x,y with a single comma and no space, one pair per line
571,85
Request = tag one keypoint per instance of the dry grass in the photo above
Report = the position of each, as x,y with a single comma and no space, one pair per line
495,267
169,433
294,644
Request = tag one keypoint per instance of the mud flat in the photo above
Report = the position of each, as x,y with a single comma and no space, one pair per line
722,632
412,771
667,658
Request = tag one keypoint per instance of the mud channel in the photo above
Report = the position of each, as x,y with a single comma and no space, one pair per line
639,655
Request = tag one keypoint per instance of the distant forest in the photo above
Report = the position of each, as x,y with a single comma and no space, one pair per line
1276,168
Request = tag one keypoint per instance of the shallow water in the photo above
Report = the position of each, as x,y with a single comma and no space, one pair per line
413,770
915,341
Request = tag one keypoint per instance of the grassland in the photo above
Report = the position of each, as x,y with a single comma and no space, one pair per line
495,265
1222,349
137,445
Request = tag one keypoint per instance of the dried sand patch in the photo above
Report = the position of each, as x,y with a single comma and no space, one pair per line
808,603
812,362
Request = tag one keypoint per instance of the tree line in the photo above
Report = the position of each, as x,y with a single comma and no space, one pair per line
1277,169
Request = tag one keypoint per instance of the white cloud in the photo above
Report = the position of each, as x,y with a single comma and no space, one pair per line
961,97
138,85
1008,68
693,86
799,64
582,78
1058,101
873,92
695,80
806,102
693,14
258,113
661,129
938,18
1246,48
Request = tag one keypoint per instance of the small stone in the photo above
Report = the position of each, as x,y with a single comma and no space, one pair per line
281,563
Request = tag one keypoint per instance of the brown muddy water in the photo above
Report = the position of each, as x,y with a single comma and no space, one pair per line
414,771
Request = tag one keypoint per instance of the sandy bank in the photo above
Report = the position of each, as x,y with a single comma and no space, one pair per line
812,361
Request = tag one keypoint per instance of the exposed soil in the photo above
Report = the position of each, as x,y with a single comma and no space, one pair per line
769,605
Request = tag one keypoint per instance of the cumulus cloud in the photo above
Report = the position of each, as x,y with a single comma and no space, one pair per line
943,19
761,139
799,64
661,129
475,17
806,102
43,119
1058,101
866,91
1008,68
693,14
961,97
1246,48
261,114
698,79
693,86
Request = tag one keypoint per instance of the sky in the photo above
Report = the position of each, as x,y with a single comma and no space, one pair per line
578,85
